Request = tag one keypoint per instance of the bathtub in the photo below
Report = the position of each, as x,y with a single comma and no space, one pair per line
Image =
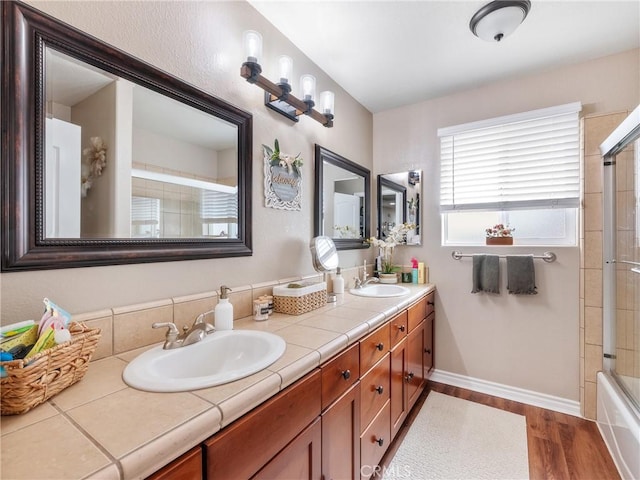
619,424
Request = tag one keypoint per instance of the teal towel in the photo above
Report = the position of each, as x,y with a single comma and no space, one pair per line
486,273
521,275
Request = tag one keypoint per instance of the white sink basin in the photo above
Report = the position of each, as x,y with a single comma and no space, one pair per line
219,358
377,290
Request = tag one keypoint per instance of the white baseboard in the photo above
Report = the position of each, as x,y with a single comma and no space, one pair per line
543,400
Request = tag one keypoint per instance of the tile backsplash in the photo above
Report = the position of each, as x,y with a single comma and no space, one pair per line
129,327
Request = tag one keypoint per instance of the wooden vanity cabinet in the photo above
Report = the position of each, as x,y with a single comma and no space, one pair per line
187,466
341,437
243,448
336,422
300,460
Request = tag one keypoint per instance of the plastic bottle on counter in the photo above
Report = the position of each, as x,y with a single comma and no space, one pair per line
223,311
338,282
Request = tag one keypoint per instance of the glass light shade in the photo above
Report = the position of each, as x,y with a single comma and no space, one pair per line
285,67
308,87
499,23
327,100
252,42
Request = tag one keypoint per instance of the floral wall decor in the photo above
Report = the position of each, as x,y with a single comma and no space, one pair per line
94,161
282,179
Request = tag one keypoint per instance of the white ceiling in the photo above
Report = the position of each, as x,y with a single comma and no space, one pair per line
392,53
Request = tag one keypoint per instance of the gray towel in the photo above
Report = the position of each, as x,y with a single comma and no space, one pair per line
521,276
486,273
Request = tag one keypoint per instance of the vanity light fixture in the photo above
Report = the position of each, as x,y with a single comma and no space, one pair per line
277,96
499,19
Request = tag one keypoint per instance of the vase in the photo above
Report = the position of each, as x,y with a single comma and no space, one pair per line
499,240
388,278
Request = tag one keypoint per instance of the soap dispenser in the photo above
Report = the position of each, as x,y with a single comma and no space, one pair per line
338,282
224,311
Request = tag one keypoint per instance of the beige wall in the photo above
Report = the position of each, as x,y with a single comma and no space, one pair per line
201,42
527,342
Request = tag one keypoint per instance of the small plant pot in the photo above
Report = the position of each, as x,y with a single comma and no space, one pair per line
388,278
499,240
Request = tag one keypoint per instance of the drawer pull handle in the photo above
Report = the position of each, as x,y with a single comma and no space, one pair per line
346,374
379,441
401,328
380,346
427,350
380,389
431,303
409,376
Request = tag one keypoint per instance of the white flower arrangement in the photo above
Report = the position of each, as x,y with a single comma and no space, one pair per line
291,163
395,237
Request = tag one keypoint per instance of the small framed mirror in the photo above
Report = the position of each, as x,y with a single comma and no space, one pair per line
398,202
342,203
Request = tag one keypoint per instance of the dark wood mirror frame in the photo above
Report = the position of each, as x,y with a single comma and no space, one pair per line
323,155
385,182
26,33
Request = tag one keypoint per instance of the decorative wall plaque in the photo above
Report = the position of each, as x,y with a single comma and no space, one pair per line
282,179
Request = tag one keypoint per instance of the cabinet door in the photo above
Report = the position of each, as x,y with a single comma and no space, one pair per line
398,387
415,364
341,437
189,465
299,460
428,345
375,441
241,449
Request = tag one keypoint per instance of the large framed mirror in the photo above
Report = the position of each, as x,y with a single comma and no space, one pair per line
342,200
109,160
398,202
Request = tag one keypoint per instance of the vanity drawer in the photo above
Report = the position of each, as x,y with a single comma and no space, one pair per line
374,391
417,313
375,441
431,298
398,328
244,447
373,347
339,374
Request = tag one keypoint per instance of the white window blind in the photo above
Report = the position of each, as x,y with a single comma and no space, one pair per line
218,207
145,211
523,161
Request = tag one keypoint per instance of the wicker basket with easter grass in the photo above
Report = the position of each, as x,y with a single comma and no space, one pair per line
47,369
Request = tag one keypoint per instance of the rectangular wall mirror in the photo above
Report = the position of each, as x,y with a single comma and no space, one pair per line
342,200
398,202
110,160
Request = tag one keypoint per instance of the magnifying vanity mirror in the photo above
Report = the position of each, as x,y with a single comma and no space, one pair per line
108,160
342,200
398,202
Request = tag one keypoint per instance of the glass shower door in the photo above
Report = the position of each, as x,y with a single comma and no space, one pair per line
626,362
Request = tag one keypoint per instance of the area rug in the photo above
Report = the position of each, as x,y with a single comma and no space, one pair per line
452,438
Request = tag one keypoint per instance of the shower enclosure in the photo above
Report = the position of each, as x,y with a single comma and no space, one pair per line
619,383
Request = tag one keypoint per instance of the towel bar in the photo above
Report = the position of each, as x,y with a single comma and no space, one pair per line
546,256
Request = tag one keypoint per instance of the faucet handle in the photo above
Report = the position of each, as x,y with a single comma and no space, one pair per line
173,330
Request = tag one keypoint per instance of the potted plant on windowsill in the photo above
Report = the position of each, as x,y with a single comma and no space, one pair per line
499,235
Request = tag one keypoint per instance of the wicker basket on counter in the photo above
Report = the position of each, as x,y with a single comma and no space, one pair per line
32,382
296,301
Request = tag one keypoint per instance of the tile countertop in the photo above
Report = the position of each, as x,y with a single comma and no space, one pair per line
100,428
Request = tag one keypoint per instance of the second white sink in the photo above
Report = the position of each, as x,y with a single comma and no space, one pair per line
219,358
377,290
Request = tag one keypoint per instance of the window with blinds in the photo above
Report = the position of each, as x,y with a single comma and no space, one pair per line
518,165
145,216
218,207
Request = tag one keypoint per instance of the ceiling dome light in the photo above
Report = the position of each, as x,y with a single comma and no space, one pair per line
499,19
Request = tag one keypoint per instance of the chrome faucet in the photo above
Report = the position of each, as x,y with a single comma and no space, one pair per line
359,283
189,335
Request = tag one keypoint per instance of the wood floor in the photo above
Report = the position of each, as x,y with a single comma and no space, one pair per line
560,446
